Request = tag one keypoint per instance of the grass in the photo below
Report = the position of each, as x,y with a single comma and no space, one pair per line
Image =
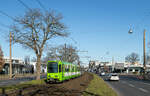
98,87
22,85
35,82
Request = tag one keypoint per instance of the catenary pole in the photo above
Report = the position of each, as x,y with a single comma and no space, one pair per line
10,65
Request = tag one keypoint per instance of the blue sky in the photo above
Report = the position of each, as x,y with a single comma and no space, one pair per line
98,26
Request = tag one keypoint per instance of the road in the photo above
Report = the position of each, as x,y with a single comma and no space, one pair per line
18,80
129,86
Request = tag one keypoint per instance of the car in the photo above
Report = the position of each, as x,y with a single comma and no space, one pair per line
102,73
113,77
107,76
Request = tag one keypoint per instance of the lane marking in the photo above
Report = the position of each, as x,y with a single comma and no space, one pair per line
143,90
123,82
140,82
146,83
131,85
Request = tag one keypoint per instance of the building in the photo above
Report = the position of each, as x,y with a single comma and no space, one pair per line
94,66
97,63
1,59
43,67
18,66
106,66
119,67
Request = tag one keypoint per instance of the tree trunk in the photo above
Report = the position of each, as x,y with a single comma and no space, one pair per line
38,67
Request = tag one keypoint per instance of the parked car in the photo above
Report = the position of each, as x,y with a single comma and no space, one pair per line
113,77
102,74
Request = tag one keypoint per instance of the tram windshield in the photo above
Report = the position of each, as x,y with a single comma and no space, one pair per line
52,67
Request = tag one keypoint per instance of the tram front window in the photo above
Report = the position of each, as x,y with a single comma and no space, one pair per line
52,67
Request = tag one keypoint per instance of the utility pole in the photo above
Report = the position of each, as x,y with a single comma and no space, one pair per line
144,51
10,65
144,55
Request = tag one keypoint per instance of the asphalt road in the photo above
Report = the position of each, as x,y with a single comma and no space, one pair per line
129,86
17,80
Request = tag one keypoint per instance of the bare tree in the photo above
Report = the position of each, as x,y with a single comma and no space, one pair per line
2,62
35,28
51,54
66,53
132,58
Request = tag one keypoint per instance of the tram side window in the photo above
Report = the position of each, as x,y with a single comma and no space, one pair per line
65,68
72,69
60,68
75,69
68,69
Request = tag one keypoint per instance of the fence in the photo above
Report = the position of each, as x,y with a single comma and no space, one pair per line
17,76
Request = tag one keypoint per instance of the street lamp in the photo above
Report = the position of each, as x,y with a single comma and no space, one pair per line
130,31
144,51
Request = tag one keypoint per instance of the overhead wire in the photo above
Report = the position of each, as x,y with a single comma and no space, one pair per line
12,18
4,25
3,13
41,5
25,5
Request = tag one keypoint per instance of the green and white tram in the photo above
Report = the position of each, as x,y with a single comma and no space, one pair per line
58,71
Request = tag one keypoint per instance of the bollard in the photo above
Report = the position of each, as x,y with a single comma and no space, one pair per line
20,93
3,92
